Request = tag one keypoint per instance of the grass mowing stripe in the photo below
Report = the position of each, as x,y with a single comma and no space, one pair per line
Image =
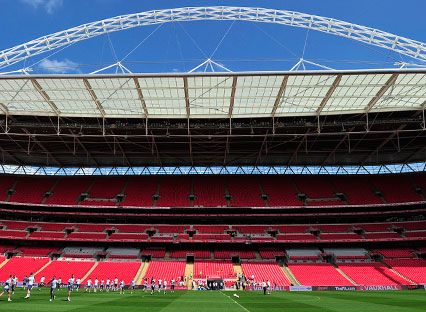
244,308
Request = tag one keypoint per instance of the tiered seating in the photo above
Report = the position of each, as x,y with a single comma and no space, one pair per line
123,237
64,269
174,192
122,270
296,237
371,274
6,183
25,192
209,192
315,186
357,189
211,237
198,253
318,274
210,229
16,225
228,254
86,236
166,270
12,234
264,271
29,251
339,236
157,252
123,253
139,191
41,235
415,234
382,235
21,267
203,269
67,191
271,253
245,192
396,189
105,188
395,252
280,191
414,269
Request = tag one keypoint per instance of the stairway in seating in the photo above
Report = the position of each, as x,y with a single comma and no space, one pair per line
4,262
345,275
237,269
397,273
189,272
141,273
42,268
90,271
290,276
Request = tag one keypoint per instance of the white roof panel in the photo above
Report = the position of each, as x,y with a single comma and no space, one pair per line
209,95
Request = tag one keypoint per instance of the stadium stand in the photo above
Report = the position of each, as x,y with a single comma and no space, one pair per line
265,271
371,274
318,274
414,269
166,270
64,268
205,269
123,270
22,266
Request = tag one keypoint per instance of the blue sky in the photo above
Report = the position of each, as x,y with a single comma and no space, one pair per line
248,46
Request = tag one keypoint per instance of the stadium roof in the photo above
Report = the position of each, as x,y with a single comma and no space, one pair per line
214,95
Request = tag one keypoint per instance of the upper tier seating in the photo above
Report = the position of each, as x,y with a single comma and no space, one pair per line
280,190
64,269
270,252
37,251
318,274
110,270
210,191
414,269
6,183
68,190
197,253
154,252
139,191
371,274
248,195
26,192
264,271
21,267
227,254
203,269
174,192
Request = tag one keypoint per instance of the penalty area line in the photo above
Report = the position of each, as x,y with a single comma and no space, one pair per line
241,306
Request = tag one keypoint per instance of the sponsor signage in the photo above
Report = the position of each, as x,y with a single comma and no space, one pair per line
380,287
300,288
345,288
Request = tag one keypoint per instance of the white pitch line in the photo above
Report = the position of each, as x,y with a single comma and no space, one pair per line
242,307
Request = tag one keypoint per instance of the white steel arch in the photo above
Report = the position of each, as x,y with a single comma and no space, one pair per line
371,36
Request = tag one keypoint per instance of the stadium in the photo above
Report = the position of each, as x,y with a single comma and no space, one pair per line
255,190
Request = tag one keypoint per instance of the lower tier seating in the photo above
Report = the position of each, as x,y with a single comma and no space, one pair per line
64,269
203,269
318,274
21,267
414,269
371,274
166,270
265,271
110,270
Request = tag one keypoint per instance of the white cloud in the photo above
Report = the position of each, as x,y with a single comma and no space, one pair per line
48,5
59,67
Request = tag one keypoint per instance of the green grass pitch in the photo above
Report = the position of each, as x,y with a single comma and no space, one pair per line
197,301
